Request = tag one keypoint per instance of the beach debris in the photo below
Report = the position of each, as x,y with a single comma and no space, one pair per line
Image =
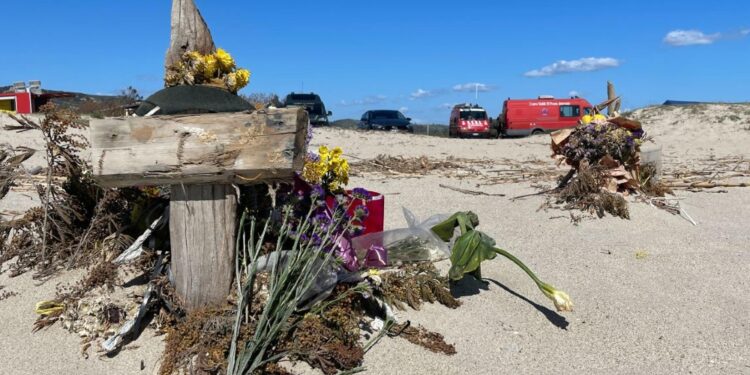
10,165
399,165
471,192
420,336
415,284
604,156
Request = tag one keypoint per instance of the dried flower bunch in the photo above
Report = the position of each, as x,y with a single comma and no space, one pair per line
218,68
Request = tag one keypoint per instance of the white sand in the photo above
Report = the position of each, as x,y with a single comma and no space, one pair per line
683,308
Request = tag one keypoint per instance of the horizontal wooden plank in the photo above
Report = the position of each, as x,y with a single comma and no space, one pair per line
207,148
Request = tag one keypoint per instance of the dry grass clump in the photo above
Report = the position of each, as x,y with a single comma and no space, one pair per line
584,192
420,336
415,284
399,165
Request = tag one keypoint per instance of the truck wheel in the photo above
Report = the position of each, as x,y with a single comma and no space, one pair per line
537,132
493,133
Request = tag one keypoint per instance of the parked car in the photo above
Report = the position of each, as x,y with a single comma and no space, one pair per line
545,114
470,121
312,103
385,119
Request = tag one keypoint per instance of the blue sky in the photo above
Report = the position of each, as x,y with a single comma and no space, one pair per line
417,56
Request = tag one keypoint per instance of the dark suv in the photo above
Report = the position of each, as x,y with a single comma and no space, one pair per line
312,103
384,119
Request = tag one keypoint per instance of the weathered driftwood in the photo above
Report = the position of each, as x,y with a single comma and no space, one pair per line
191,149
202,233
612,108
199,156
189,32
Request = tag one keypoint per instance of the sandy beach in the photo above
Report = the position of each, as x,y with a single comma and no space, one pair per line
653,294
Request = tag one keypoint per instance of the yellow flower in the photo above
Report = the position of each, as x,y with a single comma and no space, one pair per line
559,298
225,60
323,151
210,65
243,78
337,151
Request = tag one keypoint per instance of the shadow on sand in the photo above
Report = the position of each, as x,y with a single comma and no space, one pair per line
469,286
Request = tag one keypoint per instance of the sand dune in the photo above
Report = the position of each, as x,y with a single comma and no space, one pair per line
681,308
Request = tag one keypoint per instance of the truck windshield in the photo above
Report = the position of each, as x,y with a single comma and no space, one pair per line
473,115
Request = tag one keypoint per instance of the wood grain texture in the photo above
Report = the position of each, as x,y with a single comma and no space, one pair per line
189,32
238,148
202,232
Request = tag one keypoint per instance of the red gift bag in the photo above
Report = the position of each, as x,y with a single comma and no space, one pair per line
373,223
375,206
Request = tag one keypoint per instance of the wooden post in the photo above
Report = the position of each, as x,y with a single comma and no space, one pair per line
202,233
200,156
189,32
611,96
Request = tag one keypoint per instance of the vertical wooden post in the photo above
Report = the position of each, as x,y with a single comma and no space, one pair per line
611,96
202,234
189,32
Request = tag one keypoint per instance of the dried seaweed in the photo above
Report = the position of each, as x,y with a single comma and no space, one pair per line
420,336
650,183
584,192
415,284
399,165
77,220
10,165
199,343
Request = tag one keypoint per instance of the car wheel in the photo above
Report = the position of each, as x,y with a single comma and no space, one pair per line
388,128
369,126
537,132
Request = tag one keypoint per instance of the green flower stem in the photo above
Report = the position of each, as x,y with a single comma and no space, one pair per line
561,299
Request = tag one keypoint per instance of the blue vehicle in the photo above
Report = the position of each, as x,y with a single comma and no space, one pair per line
385,119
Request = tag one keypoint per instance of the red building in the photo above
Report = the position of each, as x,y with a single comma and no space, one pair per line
24,99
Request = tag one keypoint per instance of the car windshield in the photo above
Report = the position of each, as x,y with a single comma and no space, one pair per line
473,115
385,115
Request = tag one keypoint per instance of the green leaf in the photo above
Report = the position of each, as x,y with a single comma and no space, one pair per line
469,251
465,220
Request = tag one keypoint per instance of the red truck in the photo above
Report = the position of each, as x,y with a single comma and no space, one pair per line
470,121
544,114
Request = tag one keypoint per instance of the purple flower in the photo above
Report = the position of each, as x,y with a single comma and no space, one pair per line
313,157
317,191
346,253
309,135
376,257
360,193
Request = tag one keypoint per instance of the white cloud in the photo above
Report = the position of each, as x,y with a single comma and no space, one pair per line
574,93
690,37
403,109
446,106
586,64
420,93
472,86
745,32
375,99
